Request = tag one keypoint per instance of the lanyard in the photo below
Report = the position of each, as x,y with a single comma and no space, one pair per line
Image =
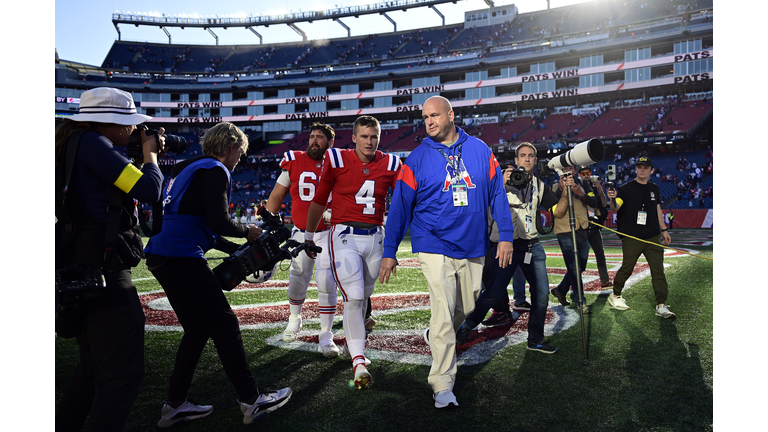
454,163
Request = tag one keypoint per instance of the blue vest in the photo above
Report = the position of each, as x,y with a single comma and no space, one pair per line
184,235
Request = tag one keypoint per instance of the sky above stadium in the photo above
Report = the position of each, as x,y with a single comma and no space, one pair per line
84,30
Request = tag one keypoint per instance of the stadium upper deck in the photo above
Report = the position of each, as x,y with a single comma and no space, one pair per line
575,59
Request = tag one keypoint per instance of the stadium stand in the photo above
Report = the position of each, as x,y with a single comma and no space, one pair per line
653,115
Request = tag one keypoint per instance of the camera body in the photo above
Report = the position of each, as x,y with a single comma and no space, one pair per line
75,284
518,178
260,254
611,176
173,143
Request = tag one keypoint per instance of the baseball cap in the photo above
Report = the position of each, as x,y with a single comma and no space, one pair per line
584,167
108,105
645,161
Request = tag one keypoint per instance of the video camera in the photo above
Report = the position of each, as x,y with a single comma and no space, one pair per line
260,254
173,143
585,153
610,175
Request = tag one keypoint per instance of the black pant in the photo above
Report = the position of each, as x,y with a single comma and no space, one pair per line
106,382
203,311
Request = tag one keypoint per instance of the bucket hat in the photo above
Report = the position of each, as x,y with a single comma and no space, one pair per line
108,105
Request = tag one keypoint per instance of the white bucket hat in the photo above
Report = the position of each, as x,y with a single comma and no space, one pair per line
108,105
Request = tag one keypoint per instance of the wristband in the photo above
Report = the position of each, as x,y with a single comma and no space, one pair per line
664,230
309,236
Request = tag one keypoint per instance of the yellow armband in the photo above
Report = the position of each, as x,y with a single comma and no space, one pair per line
128,178
619,202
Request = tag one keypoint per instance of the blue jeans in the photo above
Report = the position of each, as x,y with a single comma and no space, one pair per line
569,279
499,278
518,285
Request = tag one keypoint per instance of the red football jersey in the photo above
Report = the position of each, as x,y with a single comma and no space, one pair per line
305,176
359,190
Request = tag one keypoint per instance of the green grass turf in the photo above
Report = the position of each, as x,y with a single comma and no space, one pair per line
644,373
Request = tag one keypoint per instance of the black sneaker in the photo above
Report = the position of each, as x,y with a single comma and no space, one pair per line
560,297
463,333
543,347
498,318
522,307
586,309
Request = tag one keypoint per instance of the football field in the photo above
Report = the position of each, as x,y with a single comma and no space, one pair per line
643,372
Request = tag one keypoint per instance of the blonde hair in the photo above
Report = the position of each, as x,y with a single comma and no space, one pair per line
219,139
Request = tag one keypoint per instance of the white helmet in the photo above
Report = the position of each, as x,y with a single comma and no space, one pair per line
261,275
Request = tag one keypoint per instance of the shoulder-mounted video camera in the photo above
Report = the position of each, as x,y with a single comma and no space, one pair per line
260,254
173,143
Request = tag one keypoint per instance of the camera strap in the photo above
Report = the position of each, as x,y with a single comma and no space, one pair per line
69,164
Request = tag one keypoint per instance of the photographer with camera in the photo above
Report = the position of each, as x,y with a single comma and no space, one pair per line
638,213
300,178
526,194
583,198
195,220
594,232
96,247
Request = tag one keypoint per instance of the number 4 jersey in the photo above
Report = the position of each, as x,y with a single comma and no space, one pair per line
359,190
304,175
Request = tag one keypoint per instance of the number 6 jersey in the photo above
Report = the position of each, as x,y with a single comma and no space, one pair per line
359,190
304,175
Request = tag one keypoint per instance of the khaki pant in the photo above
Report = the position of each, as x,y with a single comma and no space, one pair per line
454,285
631,250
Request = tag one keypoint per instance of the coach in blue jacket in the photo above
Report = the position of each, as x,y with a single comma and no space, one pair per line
443,194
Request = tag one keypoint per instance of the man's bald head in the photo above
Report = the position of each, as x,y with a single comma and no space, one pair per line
439,103
438,120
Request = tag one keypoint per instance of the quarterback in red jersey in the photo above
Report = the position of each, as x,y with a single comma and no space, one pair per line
300,178
359,179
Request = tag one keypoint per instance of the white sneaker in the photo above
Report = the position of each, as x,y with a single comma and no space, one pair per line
292,331
185,412
265,403
362,377
444,398
329,350
663,311
617,302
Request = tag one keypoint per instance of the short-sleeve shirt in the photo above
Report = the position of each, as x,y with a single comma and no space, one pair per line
636,198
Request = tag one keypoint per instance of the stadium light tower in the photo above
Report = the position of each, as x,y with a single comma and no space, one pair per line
291,19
